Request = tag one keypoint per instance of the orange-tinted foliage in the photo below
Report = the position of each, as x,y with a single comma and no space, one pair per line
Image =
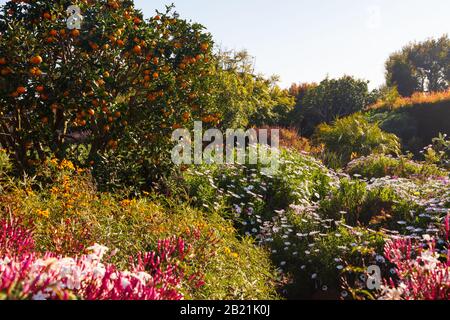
289,138
416,99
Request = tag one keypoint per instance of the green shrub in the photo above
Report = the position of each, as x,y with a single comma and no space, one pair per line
316,254
359,204
354,136
331,99
439,151
401,205
5,163
301,179
379,165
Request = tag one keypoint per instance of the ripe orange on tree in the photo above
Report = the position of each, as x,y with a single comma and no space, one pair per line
93,45
2,61
114,5
35,71
75,33
137,49
204,47
111,143
6,71
21,90
36,60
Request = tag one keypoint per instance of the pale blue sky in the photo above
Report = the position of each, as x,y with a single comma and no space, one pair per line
306,40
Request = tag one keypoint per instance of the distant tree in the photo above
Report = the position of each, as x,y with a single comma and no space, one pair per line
299,90
420,67
331,99
245,98
400,74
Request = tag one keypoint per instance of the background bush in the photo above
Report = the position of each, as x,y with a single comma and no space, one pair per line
327,101
352,137
379,165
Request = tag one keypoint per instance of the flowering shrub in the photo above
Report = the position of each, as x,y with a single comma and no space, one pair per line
422,269
321,230
290,139
15,239
253,195
313,253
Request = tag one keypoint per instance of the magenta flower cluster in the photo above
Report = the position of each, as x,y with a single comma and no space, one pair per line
26,274
423,269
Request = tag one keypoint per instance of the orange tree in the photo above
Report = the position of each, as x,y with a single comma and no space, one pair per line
107,95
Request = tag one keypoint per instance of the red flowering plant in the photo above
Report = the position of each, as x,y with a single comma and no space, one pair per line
25,274
423,269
